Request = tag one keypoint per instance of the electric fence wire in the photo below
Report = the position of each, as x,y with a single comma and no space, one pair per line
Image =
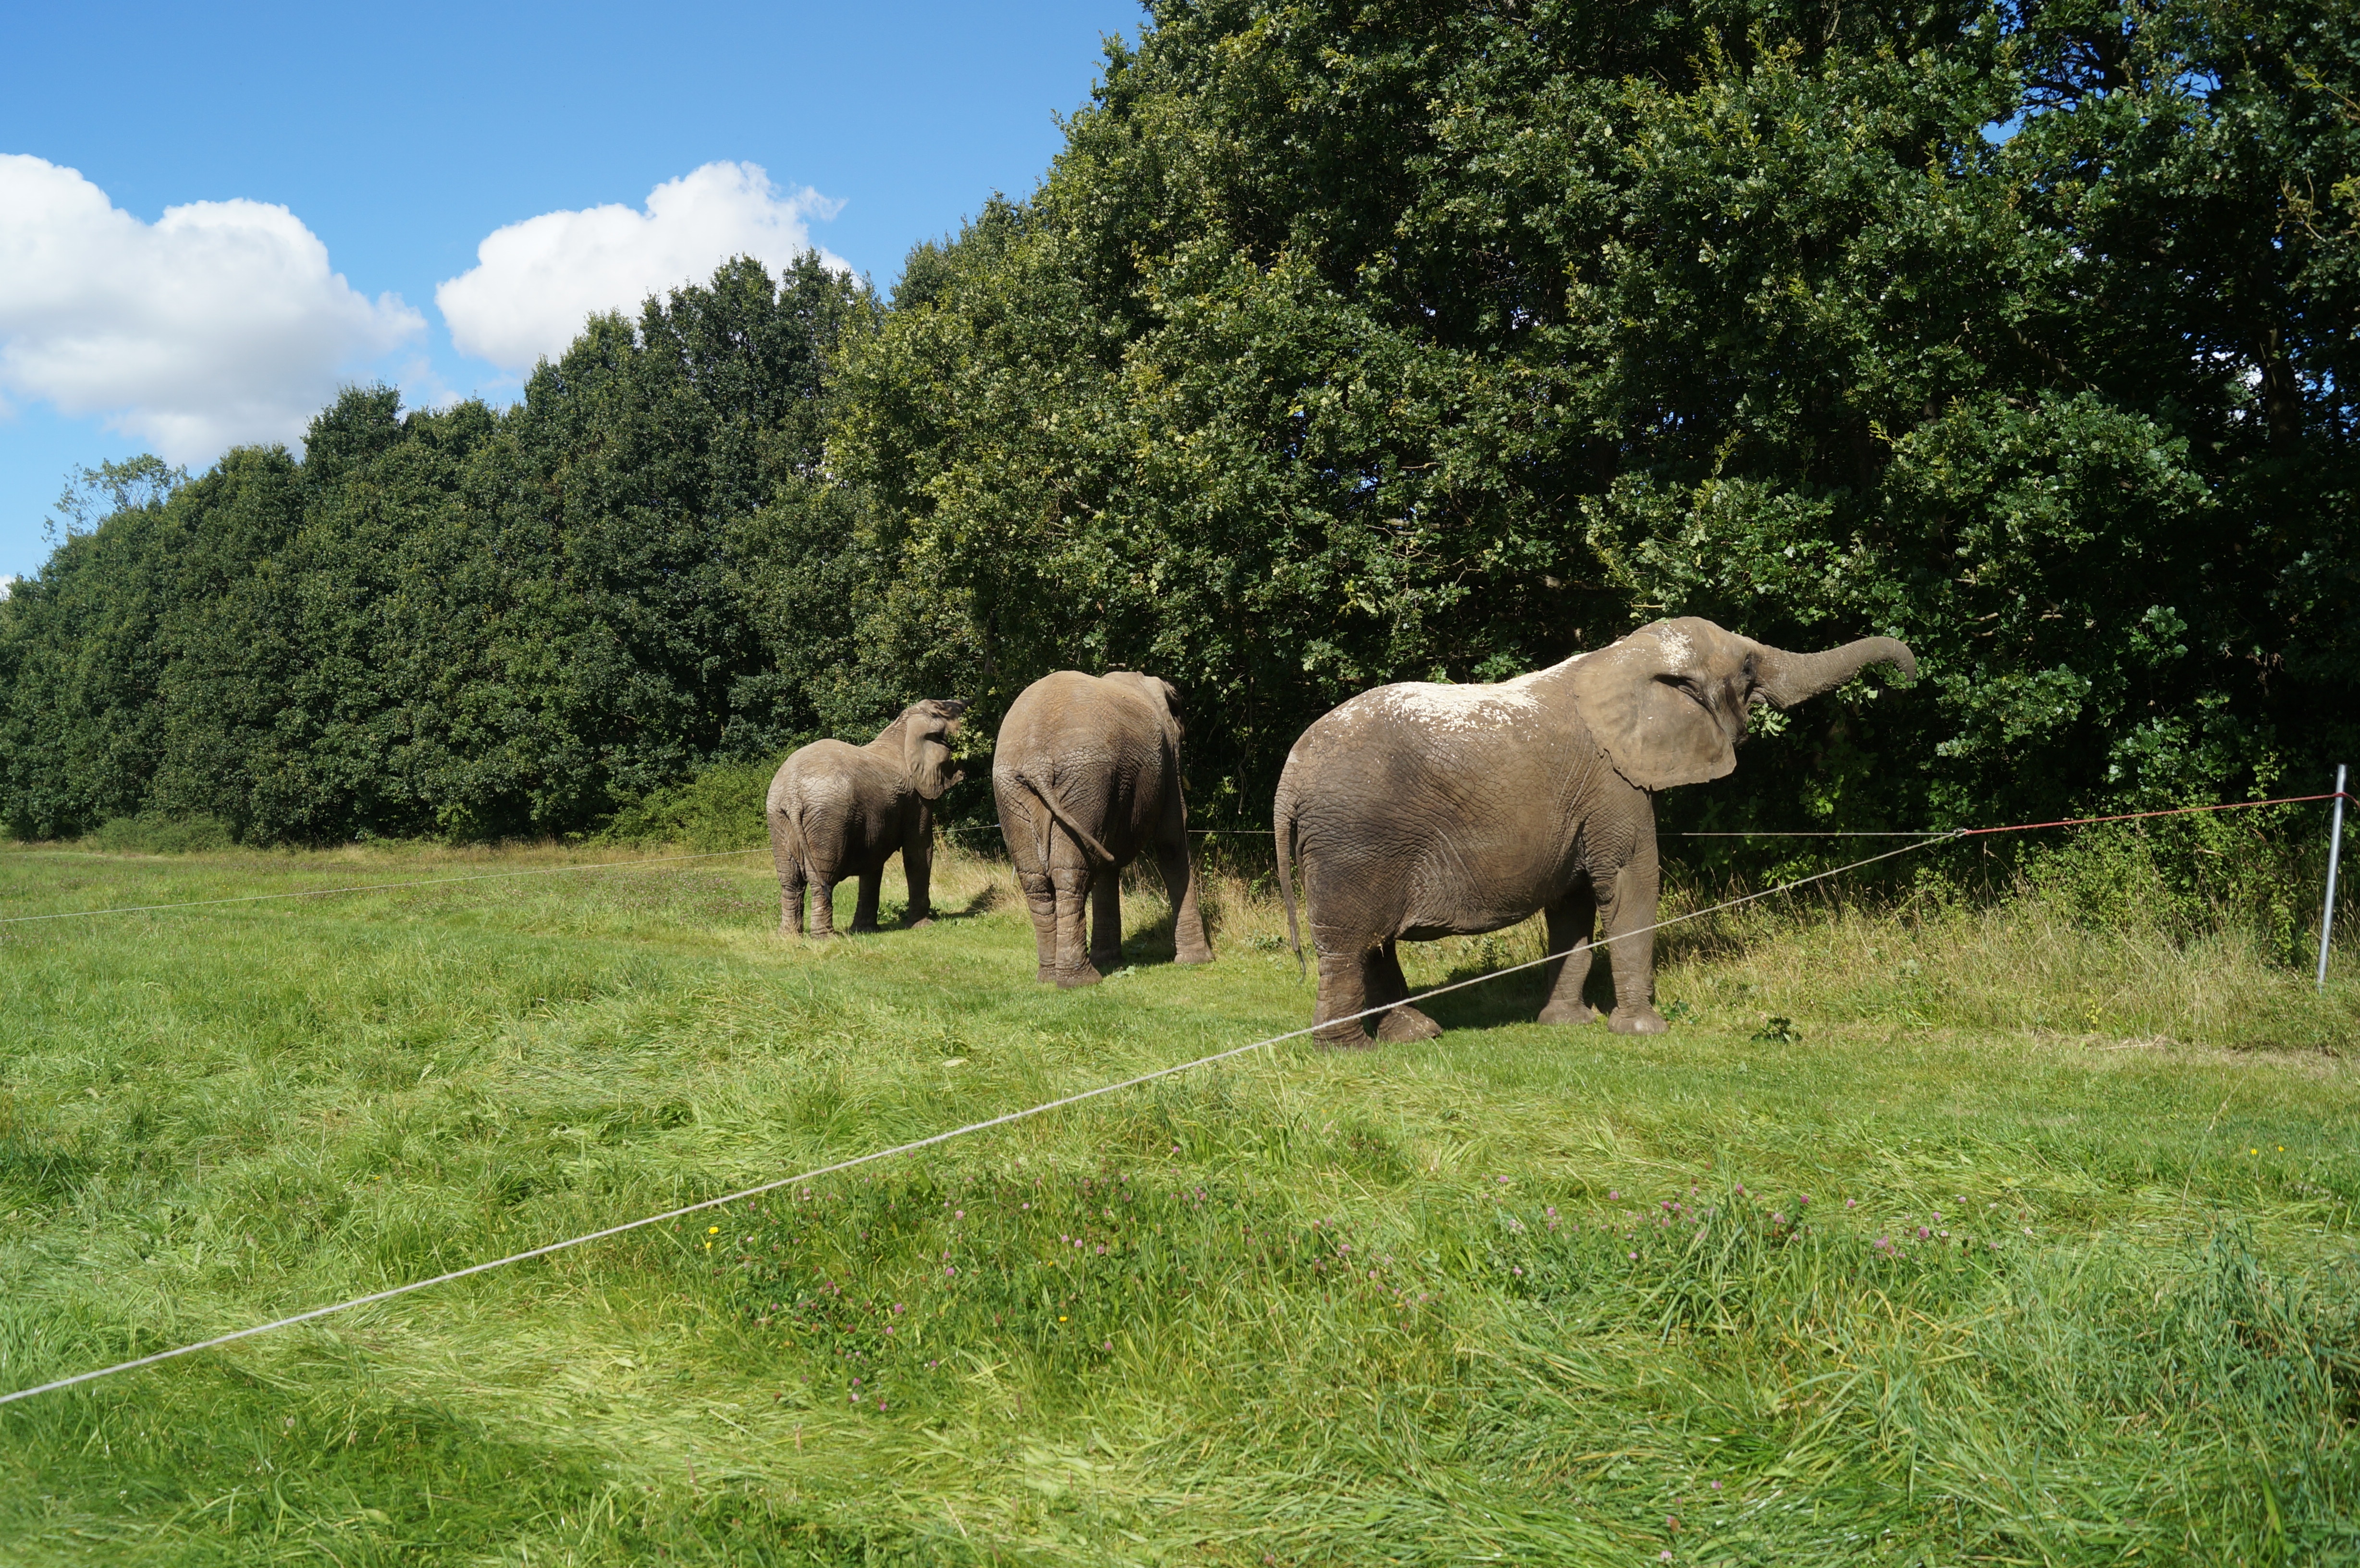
2023,827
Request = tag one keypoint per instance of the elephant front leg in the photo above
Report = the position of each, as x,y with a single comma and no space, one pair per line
1388,983
1630,921
1071,886
1105,919
864,911
1569,923
1041,903
918,871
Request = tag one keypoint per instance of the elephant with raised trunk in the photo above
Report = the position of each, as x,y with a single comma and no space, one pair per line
1087,772
837,809
1424,810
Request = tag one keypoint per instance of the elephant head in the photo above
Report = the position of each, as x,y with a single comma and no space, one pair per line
926,730
1668,702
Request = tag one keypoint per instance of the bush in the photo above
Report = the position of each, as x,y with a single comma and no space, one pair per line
719,808
154,833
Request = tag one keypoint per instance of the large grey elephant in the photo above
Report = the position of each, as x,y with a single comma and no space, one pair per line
1424,810
1087,772
837,809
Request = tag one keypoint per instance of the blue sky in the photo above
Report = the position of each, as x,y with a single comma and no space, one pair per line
400,140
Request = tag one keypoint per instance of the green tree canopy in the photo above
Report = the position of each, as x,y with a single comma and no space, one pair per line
1346,343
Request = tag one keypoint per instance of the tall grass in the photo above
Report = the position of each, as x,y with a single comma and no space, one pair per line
1520,1294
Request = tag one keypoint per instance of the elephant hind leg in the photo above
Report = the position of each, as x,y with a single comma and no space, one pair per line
1041,903
822,904
1360,983
1388,983
1106,919
793,886
1343,993
1188,942
1072,886
787,857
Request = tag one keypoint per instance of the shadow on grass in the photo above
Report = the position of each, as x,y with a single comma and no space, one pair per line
1514,998
893,915
990,897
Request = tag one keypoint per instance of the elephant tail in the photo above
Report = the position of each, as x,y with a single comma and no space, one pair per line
1049,799
785,821
1283,822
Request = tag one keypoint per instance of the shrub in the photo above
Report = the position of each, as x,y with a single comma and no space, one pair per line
155,833
718,808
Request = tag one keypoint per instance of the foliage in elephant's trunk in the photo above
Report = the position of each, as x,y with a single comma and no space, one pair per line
1785,679
926,729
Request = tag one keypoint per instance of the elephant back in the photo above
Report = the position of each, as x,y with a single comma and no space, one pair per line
831,772
1070,715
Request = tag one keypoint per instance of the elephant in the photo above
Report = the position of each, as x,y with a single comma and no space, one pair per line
837,809
1421,810
1086,774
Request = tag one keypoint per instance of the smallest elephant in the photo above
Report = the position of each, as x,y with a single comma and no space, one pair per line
837,809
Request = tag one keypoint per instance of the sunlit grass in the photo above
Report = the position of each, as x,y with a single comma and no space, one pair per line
2137,1334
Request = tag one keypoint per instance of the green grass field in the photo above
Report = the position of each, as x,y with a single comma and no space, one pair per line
2006,1242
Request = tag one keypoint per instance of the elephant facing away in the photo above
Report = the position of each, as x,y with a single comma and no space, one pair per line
1423,811
1086,773
837,809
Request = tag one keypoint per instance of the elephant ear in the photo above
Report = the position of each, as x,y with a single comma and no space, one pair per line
925,746
1161,697
1652,730
1172,709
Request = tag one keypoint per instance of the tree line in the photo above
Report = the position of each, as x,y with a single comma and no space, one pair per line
1342,344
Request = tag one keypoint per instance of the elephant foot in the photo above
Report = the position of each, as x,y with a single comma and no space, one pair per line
1637,1020
1045,975
1085,975
1107,963
1404,1024
1568,1013
919,924
1343,1036
870,929
1202,955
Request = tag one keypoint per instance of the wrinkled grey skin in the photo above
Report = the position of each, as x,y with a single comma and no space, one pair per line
1425,810
837,809
1087,772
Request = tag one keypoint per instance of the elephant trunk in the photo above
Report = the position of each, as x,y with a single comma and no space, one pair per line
1785,679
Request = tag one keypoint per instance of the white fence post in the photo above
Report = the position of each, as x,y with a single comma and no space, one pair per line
2335,852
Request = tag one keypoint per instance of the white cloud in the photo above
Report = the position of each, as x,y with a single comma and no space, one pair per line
218,323
5,583
537,281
